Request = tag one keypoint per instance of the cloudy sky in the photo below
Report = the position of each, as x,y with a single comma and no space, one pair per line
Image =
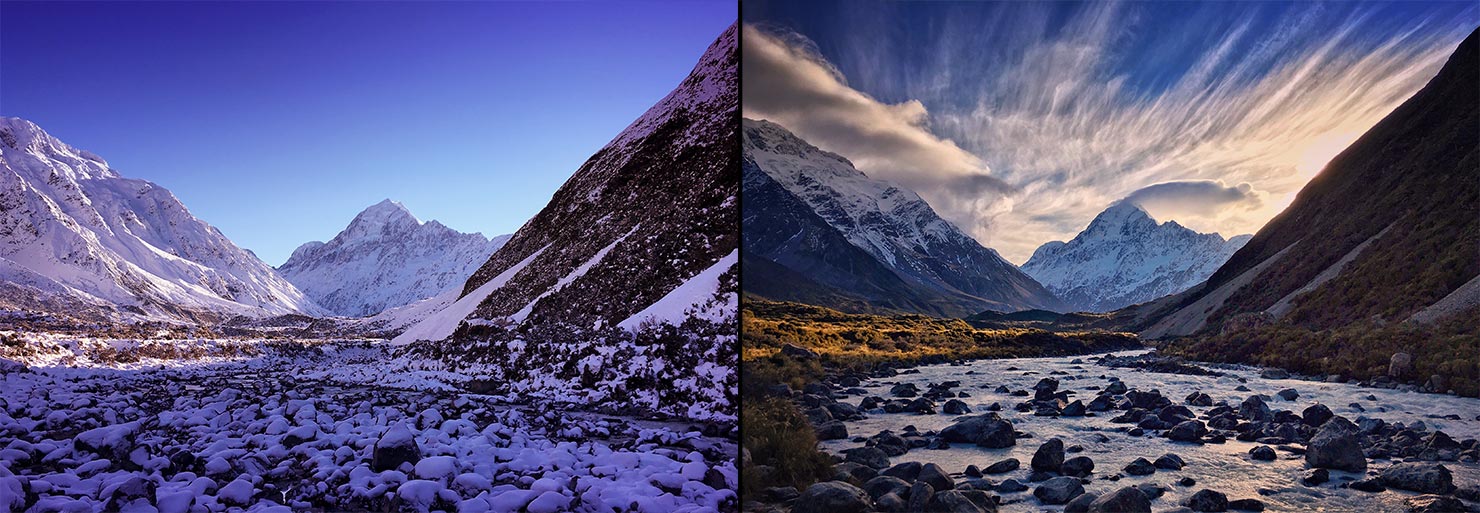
1020,121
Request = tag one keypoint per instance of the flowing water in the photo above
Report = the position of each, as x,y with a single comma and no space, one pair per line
1223,467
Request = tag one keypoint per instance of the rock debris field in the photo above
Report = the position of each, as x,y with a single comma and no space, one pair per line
277,433
1136,432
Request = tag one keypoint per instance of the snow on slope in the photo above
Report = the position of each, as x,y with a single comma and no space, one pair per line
444,322
128,244
1124,257
692,299
384,259
892,223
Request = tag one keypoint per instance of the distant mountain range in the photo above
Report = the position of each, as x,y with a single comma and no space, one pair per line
1125,257
386,258
77,238
1388,232
819,231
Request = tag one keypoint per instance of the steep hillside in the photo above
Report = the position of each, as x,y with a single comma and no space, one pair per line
813,212
386,258
1125,257
1388,228
623,290
73,231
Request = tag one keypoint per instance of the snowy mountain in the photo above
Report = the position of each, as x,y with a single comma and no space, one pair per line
386,258
1125,257
865,242
624,289
73,231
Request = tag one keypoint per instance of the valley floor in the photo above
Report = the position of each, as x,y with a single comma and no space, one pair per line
866,427
233,425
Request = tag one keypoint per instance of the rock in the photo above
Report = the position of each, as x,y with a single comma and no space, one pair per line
1370,484
1188,431
1246,505
871,457
1288,394
1274,374
1435,384
1081,503
1263,453
1186,481
1170,461
1335,446
1007,465
1316,415
1049,457
1116,387
1059,490
1140,467
891,502
114,442
847,471
1207,500
919,498
989,430
1418,477
1152,491
955,407
1045,388
1316,477
882,485
832,430
1433,504
936,477
1010,486
953,501
1254,408
1401,364
238,492
1078,466
798,352
908,471
1124,500
780,494
832,497
904,390
396,446
1199,399
1073,409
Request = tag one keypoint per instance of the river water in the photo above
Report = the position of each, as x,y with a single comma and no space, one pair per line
1223,467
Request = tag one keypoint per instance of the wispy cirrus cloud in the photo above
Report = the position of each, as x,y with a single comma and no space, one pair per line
1214,116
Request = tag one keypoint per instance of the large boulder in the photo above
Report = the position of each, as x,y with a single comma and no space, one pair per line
113,442
1336,446
1433,504
1125,500
1078,466
1007,465
952,501
1188,431
936,477
832,430
1049,457
880,486
1316,415
871,457
1401,364
832,497
1254,408
1059,490
1207,500
1418,477
989,430
919,497
395,447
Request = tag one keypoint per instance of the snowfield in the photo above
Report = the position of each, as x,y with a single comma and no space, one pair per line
250,425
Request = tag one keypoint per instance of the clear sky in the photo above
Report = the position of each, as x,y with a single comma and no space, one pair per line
277,122
1020,121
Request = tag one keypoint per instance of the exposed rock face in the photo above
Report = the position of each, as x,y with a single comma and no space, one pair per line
77,235
1125,257
386,258
821,232
1400,365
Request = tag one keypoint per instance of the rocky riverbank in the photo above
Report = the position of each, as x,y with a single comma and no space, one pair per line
1132,432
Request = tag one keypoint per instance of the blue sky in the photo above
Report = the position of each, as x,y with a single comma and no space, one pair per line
1020,121
277,122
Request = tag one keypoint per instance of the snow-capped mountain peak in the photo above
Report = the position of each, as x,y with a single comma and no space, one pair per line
386,258
72,227
1125,257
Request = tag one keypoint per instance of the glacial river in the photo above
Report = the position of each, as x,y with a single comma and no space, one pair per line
1223,467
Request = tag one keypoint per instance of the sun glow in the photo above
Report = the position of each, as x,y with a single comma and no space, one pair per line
1320,150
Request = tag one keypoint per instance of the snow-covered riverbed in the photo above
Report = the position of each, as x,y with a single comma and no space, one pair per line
1225,467
317,429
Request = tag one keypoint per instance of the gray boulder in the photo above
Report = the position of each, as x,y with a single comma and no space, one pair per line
832,497
1059,490
1418,477
989,430
1124,500
1336,447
